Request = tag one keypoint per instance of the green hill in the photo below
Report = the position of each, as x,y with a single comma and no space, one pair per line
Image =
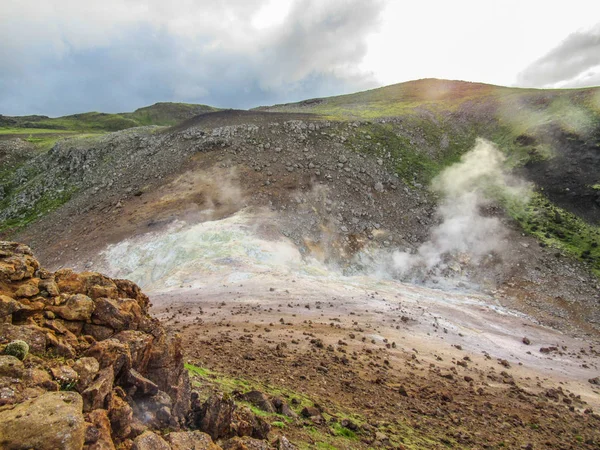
164,114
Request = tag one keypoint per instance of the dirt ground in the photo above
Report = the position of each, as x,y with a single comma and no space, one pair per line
424,368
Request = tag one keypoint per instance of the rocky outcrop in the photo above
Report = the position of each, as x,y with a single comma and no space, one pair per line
92,337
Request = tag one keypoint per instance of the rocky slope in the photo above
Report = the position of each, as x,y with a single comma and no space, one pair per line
334,188
83,365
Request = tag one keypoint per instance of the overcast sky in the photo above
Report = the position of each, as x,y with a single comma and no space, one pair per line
65,56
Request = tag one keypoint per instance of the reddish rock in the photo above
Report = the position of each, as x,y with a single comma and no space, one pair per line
16,262
140,347
94,396
98,332
65,375
191,440
102,437
149,441
143,386
246,443
118,314
76,307
215,416
120,414
86,369
9,306
49,286
246,423
111,353
28,289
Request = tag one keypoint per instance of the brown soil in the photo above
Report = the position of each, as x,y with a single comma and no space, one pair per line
377,357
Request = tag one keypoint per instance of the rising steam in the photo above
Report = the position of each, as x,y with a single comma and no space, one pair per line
467,188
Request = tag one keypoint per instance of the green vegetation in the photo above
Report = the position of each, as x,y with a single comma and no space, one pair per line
511,104
557,228
330,435
47,203
19,349
165,114
30,131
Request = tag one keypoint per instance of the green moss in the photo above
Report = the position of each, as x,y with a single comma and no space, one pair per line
19,349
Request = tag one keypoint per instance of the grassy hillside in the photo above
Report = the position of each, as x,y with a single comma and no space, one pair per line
444,96
165,114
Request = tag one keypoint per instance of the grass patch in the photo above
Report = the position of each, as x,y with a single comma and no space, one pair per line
47,203
32,131
339,430
560,229
230,384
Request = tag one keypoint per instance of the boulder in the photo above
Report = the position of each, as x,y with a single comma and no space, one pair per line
120,415
40,378
245,423
9,306
111,353
260,400
191,440
166,369
68,282
149,441
143,386
118,314
50,287
77,307
282,443
282,407
16,262
97,285
128,289
94,396
100,435
215,416
29,289
86,369
11,367
246,443
140,347
65,375
98,332
51,421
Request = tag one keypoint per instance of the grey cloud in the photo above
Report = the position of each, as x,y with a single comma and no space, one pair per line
145,58
574,62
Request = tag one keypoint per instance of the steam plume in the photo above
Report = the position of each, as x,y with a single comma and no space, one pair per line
466,188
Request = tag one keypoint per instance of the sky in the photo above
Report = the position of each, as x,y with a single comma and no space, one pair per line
61,57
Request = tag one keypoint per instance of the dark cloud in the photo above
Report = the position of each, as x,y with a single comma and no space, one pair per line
113,65
574,62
